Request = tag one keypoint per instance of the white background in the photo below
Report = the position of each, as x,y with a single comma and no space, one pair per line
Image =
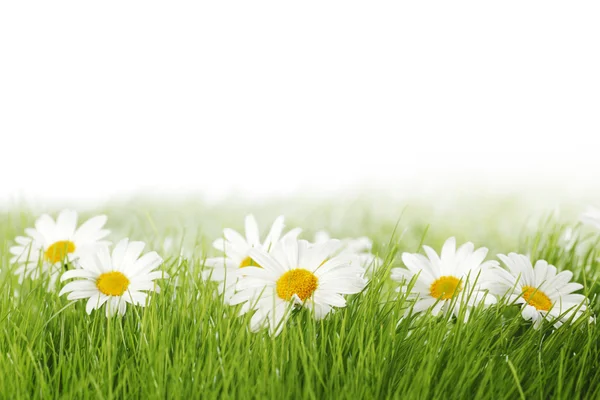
262,99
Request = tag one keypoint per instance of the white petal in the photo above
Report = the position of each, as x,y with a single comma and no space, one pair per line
95,302
78,273
529,312
235,239
327,266
45,226
103,260
80,294
290,249
118,253
137,298
320,311
317,254
219,244
155,275
435,311
132,253
122,306
144,264
448,250
66,224
561,279
112,306
17,250
267,261
252,233
401,274
329,298
79,285
420,265
570,287
38,236
23,241
293,233
275,233
142,285
91,230
423,304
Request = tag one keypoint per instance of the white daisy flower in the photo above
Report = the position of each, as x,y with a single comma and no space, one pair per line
115,279
51,244
360,248
446,284
297,274
543,293
236,253
591,217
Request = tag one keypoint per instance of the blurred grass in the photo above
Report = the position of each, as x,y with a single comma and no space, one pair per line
186,344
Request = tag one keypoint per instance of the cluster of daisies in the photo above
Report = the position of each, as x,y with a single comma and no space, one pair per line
60,249
462,278
274,275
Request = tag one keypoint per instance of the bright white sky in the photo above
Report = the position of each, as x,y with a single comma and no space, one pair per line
263,99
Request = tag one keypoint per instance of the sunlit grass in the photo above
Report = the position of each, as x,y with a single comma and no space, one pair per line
187,344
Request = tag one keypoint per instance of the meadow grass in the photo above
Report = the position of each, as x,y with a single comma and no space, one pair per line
187,344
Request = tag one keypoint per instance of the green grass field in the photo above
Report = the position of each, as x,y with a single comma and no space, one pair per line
187,344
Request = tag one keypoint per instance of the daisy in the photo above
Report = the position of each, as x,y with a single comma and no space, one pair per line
542,292
360,248
52,244
296,274
115,279
449,282
236,248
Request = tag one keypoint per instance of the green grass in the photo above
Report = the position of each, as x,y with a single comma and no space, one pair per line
187,344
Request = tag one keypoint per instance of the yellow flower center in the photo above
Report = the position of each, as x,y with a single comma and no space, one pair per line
445,287
537,298
249,262
112,283
58,251
300,282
